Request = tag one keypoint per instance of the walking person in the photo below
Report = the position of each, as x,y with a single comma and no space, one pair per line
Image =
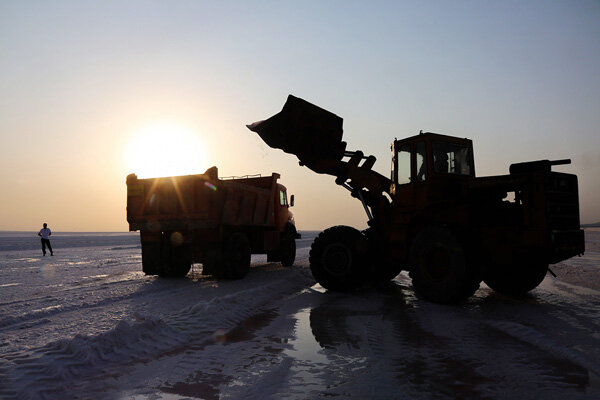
45,233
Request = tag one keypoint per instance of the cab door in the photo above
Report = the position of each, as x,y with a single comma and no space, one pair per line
281,207
402,171
421,173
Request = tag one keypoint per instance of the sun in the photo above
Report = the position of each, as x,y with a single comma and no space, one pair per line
165,149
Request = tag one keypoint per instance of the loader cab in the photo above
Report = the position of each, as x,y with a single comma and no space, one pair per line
430,167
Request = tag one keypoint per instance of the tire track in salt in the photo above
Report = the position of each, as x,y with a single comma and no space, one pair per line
66,361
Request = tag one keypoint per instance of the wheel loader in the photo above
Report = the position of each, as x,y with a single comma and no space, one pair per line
433,217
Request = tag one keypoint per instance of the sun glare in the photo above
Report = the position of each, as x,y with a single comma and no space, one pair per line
165,150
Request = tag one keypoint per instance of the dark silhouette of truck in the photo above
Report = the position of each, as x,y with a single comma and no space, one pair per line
433,217
216,222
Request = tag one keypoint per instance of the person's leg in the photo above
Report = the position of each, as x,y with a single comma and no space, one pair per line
44,246
49,247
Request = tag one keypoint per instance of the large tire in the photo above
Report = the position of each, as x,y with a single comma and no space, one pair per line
236,257
337,258
167,258
288,251
151,258
439,269
516,279
152,253
179,262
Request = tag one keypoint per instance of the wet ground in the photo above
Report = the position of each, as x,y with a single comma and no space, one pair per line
277,334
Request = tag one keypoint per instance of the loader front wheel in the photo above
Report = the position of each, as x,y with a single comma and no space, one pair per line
516,279
337,257
439,269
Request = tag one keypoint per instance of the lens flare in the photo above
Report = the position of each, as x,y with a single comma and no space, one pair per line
210,186
176,239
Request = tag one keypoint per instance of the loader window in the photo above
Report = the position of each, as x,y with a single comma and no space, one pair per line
282,198
450,158
421,162
404,164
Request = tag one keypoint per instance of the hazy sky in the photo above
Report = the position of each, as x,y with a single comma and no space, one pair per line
82,81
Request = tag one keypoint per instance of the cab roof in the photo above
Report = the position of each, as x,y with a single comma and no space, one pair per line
435,136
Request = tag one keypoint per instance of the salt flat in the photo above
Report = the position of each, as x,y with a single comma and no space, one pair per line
88,324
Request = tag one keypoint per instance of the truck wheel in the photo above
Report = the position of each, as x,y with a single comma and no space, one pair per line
439,269
151,259
179,262
337,257
516,279
288,251
236,256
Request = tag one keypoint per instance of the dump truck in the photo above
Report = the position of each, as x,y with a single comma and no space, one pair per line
433,217
217,222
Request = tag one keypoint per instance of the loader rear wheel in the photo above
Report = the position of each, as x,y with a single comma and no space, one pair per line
337,257
439,269
236,257
516,279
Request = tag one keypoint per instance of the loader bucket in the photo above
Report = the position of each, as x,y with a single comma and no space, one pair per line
305,130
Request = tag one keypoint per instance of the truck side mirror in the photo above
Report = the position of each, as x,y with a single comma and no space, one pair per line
292,201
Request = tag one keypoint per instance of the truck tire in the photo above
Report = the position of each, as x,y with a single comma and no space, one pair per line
516,279
178,263
439,269
151,254
288,251
337,258
236,257
151,259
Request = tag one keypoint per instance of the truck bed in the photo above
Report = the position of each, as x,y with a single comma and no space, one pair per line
199,202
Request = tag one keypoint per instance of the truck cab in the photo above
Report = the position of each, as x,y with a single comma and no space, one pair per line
283,216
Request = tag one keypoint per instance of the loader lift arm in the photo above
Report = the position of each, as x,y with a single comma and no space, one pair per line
314,135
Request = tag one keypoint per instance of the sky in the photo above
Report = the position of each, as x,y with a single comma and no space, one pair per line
88,86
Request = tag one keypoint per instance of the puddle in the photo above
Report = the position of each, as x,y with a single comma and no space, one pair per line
311,367
307,356
304,346
202,385
245,331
